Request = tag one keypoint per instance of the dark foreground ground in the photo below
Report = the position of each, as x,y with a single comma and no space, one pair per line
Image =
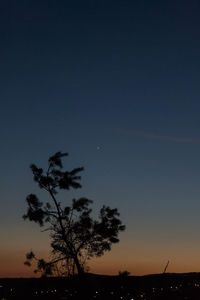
96,287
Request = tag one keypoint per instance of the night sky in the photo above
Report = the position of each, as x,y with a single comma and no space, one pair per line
115,83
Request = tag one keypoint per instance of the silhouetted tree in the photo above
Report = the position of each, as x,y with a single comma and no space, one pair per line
75,235
124,273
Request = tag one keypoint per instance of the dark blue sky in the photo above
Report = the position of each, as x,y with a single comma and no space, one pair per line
119,75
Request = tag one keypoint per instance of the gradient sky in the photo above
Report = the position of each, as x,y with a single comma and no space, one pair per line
116,85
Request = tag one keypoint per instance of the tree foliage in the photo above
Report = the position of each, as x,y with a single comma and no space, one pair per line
75,235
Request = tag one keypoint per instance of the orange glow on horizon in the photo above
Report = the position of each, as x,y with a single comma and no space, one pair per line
138,258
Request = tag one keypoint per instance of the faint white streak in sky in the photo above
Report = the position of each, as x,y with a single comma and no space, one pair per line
160,137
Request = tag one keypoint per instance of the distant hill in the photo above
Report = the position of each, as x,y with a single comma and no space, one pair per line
171,286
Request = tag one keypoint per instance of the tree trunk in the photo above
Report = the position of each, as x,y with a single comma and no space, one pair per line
78,266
